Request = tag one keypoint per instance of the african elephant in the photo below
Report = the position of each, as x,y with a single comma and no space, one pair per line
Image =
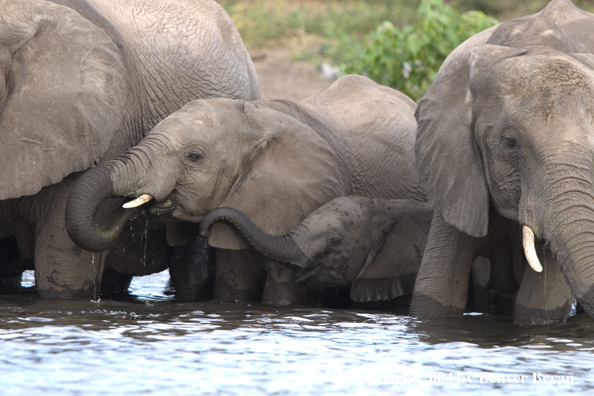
83,81
505,148
371,248
276,161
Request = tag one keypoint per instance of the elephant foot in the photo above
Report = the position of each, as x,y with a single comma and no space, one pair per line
425,306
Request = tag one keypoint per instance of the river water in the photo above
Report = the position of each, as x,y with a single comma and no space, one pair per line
153,346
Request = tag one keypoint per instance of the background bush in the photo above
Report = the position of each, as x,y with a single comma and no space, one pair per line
408,59
400,43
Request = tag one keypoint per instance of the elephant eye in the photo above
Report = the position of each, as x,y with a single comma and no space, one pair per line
510,143
194,156
335,240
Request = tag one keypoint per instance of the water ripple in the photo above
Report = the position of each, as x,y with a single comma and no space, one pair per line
153,346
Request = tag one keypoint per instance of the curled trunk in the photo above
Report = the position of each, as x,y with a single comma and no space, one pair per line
282,249
93,219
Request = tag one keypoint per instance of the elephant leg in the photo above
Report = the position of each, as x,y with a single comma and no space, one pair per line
10,284
12,265
192,269
441,288
543,297
141,249
62,269
240,275
478,299
114,284
282,290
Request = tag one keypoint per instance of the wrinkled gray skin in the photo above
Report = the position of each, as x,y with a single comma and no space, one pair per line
80,83
276,161
506,139
371,248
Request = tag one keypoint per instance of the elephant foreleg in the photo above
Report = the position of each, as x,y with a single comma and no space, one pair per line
192,269
282,290
62,269
441,288
240,275
544,297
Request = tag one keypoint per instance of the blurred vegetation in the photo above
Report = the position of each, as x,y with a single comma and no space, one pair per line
509,9
400,43
408,59
268,23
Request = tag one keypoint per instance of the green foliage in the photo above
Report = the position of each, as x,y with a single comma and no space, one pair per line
265,22
408,59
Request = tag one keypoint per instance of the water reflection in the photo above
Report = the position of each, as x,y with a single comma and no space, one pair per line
152,345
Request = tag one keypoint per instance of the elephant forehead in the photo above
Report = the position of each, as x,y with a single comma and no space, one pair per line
543,88
527,75
199,122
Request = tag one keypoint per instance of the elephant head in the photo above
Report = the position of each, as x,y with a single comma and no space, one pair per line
372,247
507,126
212,153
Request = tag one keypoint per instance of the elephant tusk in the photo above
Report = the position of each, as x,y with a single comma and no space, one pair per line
144,198
529,251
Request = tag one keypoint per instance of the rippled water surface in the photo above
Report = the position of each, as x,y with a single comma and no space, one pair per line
154,346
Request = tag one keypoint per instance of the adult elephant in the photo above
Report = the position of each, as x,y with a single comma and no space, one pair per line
273,160
368,248
505,147
81,82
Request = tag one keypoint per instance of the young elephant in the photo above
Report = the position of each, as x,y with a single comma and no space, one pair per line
276,161
372,246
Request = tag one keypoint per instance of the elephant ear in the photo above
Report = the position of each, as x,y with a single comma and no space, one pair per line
63,92
290,172
447,156
391,268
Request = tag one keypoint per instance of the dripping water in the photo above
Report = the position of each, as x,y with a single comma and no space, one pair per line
95,276
144,247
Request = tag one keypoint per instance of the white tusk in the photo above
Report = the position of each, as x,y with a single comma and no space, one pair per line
529,251
144,198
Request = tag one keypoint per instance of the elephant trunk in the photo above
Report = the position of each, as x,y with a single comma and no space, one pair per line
87,203
569,228
282,249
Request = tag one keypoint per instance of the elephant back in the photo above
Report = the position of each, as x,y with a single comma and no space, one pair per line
375,128
187,50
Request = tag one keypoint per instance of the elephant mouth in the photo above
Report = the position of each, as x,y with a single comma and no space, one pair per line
161,208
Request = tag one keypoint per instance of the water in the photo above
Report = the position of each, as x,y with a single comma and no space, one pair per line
153,346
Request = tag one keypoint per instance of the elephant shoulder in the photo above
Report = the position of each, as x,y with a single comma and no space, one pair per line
356,105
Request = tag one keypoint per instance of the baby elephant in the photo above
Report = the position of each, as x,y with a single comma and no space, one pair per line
372,246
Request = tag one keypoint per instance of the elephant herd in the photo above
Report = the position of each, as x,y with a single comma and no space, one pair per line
132,131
